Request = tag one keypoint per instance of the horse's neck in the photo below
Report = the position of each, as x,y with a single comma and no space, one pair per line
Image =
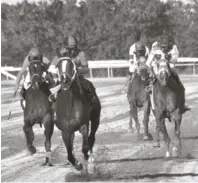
36,98
171,86
37,94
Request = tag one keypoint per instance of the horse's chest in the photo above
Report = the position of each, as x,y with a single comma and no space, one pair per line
37,104
166,101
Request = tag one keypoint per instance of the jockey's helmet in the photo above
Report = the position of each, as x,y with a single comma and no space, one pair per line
139,46
164,43
34,54
70,42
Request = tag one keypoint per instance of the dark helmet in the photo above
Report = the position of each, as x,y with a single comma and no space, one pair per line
70,42
34,54
139,46
166,43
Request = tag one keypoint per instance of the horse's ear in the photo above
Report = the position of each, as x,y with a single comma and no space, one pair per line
58,52
41,58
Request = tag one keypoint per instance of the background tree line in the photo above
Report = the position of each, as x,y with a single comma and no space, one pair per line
105,29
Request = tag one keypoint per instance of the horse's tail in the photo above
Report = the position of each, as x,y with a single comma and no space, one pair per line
185,109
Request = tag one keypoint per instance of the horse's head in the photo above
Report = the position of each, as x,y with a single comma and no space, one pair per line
163,71
67,72
36,69
142,69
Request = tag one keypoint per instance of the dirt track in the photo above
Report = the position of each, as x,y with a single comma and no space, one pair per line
120,155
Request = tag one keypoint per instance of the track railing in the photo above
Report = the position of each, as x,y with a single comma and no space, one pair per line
109,65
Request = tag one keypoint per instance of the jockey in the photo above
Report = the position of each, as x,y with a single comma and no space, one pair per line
78,57
136,51
34,54
166,48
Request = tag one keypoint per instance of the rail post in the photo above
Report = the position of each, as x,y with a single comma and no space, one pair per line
108,70
90,72
194,68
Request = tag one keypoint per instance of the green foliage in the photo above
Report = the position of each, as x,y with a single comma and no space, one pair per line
105,29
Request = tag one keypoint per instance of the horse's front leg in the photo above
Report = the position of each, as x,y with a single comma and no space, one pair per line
166,137
157,119
68,140
85,145
147,135
49,128
176,151
29,134
133,114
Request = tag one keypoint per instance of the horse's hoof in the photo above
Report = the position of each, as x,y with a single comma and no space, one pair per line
146,137
32,150
47,164
175,153
168,155
50,164
78,166
130,130
91,168
156,144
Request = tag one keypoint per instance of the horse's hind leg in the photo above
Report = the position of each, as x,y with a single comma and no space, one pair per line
68,140
147,135
177,149
95,121
49,128
29,134
85,146
131,122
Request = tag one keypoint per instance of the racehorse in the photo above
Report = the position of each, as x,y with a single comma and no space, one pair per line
37,108
138,97
74,111
169,102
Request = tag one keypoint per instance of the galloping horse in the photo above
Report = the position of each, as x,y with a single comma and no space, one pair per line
169,102
37,107
138,97
74,111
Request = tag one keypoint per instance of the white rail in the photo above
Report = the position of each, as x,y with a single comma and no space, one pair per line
109,65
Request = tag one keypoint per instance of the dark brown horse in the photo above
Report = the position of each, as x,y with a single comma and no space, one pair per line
169,102
74,111
138,97
37,108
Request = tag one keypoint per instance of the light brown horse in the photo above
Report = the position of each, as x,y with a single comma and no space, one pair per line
138,97
169,102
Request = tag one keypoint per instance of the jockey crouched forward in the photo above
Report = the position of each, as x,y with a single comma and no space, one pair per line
70,49
34,54
137,50
166,48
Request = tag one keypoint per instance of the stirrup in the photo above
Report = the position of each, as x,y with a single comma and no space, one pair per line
148,89
52,97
